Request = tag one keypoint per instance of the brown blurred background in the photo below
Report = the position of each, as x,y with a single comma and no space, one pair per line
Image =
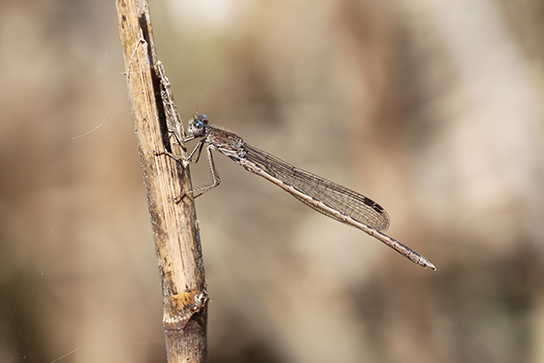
432,108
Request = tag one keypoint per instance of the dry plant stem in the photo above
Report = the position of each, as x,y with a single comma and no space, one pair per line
174,226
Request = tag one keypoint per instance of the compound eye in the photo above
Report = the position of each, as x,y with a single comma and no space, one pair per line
197,128
203,119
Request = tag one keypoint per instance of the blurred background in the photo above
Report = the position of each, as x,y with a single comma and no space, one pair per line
434,109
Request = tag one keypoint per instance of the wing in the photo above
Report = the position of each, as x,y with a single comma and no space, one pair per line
335,196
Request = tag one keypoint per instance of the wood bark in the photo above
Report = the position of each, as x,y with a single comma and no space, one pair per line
175,228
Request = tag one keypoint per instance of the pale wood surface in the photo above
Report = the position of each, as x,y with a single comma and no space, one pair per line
174,225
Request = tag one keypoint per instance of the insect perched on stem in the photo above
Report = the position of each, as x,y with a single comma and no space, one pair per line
326,197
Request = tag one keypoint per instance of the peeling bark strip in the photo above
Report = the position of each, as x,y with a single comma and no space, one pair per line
174,226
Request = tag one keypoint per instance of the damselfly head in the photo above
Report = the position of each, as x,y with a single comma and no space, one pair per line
198,125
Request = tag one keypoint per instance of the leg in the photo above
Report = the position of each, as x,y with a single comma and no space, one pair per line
215,178
197,150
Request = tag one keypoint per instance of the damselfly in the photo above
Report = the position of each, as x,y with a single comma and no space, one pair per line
326,197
